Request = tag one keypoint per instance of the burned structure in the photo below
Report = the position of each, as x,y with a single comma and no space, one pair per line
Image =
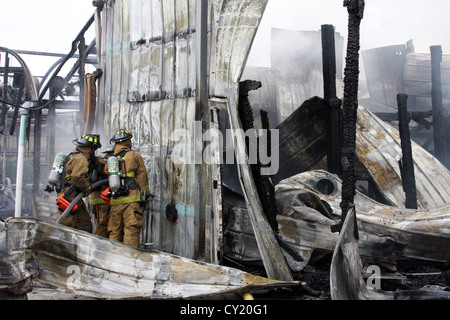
166,70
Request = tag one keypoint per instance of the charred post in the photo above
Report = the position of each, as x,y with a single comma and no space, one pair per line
264,185
436,98
406,163
333,103
355,10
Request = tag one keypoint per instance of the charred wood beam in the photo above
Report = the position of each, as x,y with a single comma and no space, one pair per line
264,185
406,163
269,244
333,116
355,10
436,98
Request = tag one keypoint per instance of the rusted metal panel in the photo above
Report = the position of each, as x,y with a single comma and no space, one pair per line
379,149
97,267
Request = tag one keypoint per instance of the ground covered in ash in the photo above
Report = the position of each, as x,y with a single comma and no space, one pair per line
411,274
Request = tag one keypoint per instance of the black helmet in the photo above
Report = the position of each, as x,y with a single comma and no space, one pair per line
110,149
121,135
88,140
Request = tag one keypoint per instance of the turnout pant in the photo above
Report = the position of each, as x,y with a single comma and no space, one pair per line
101,218
125,223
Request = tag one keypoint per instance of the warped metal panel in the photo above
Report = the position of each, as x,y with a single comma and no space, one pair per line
238,23
386,232
346,273
95,267
379,149
302,139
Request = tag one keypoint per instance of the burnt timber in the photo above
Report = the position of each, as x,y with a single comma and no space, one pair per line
178,98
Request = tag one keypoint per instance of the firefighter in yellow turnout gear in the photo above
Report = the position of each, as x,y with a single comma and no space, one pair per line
76,179
126,219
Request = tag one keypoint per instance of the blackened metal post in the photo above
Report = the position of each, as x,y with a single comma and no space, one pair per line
16,110
436,98
333,103
355,10
406,163
81,72
5,95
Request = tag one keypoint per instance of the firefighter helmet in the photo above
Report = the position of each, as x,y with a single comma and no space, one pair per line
109,150
88,140
121,135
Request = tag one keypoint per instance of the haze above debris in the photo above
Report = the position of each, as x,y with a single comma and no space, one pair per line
385,23
51,25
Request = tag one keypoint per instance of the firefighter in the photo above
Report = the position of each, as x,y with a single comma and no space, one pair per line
76,178
126,219
100,206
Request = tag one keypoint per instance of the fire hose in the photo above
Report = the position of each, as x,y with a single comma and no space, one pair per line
78,198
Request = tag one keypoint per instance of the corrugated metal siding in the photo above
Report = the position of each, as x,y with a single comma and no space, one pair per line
149,62
379,149
417,75
238,23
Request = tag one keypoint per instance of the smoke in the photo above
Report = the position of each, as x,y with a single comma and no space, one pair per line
385,23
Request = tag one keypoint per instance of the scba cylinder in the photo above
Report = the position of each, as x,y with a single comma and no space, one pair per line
113,174
57,168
